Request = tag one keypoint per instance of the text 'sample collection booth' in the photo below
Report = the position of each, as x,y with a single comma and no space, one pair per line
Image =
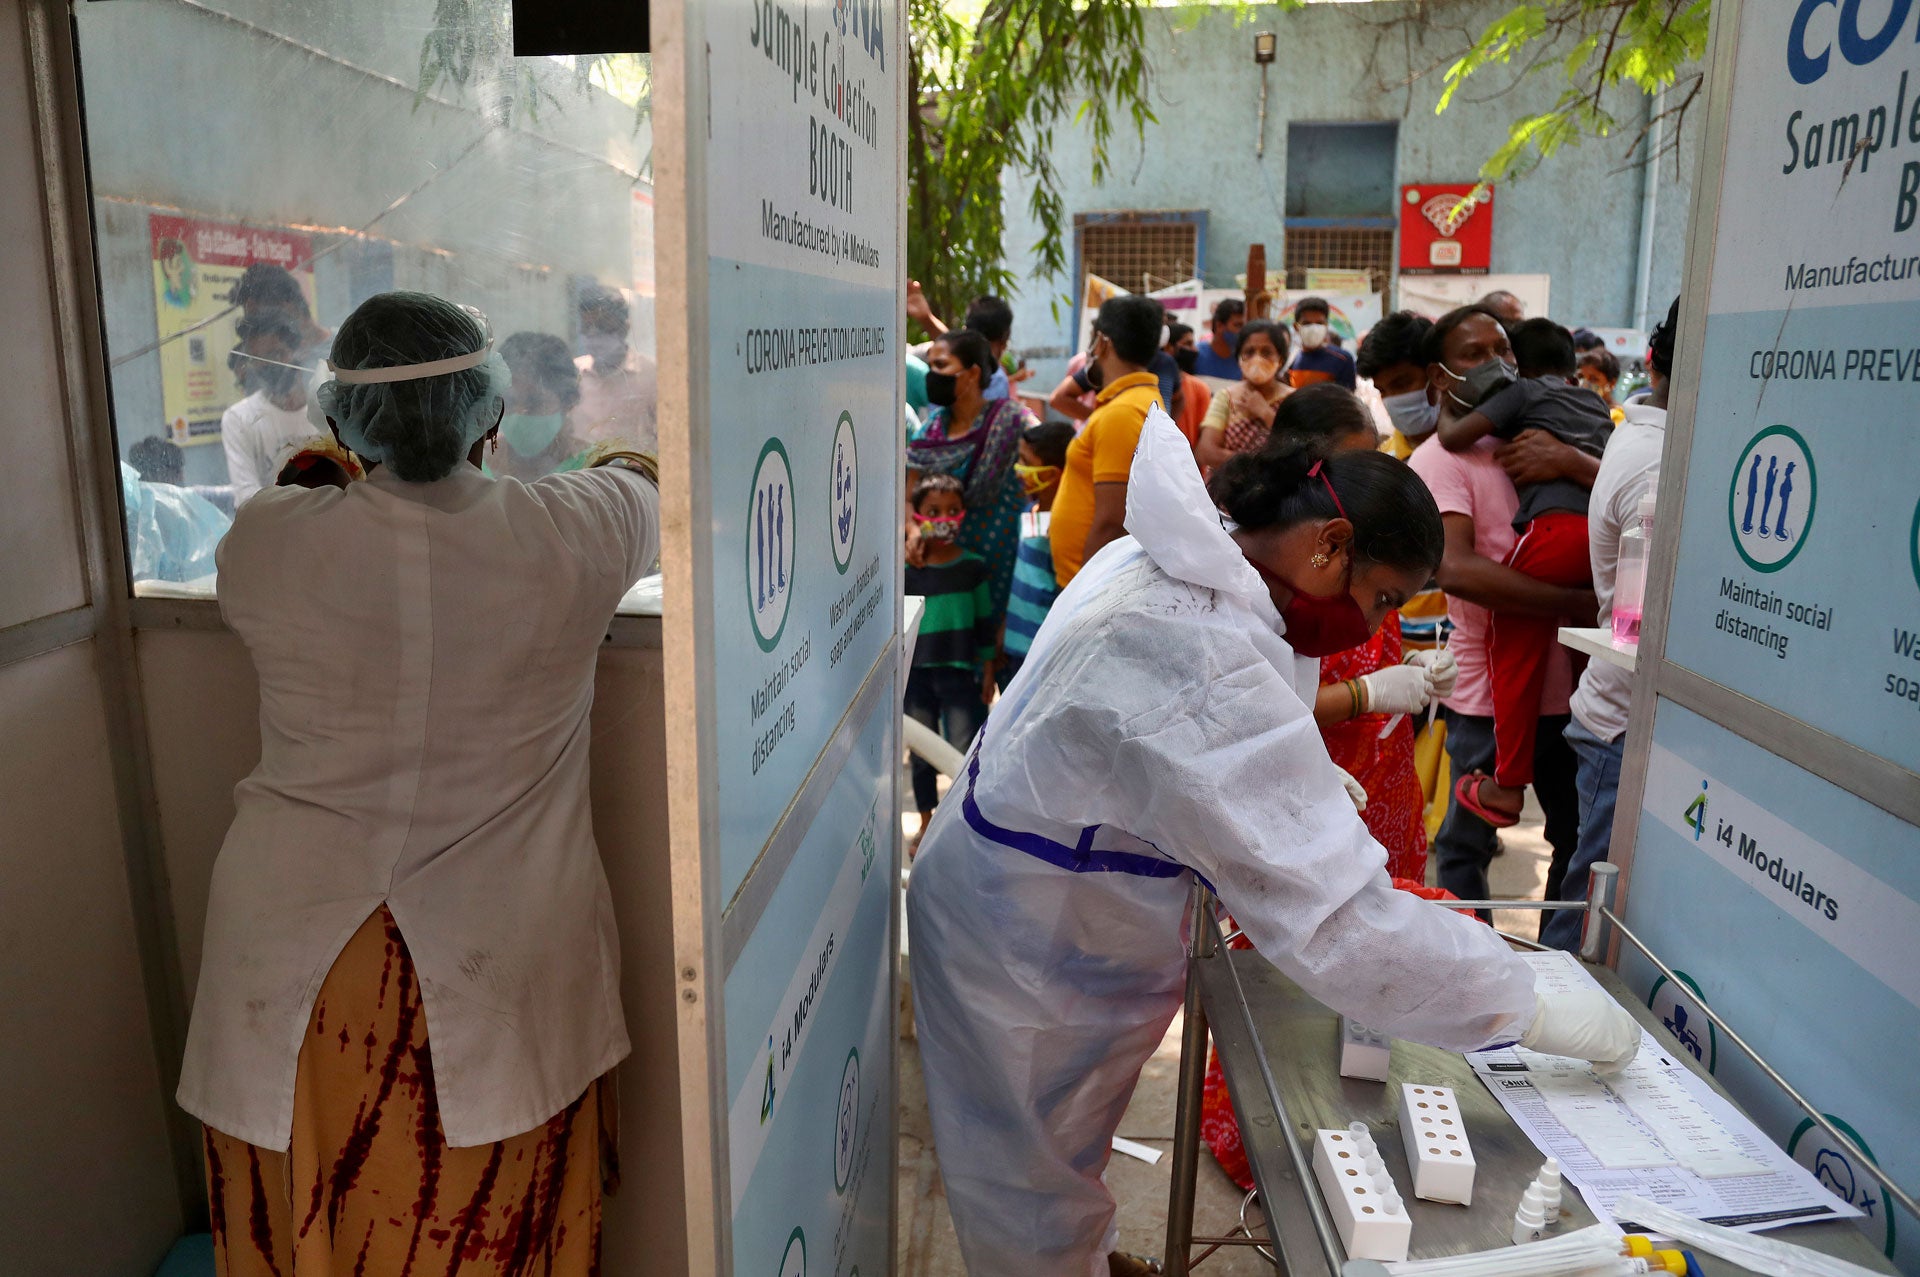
782,193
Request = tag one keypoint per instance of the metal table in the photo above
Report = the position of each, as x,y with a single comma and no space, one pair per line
1279,1050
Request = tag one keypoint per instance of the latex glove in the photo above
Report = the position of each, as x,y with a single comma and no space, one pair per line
1400,689
1355,790
1587,1025
1440,663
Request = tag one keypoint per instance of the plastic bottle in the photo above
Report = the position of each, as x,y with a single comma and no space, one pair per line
1530,1221
1549,1181
1630,576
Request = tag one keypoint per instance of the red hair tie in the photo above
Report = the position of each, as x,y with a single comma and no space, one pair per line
1313,472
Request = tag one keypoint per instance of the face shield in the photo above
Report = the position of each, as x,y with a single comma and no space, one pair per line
360,400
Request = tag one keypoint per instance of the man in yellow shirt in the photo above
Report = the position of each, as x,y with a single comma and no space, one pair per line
1091,507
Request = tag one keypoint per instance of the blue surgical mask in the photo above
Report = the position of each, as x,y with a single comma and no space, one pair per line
1411,414
530,434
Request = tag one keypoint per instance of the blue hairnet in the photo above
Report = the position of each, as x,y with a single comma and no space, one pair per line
419,426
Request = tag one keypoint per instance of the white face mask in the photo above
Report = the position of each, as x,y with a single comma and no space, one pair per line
1312,336
1412,415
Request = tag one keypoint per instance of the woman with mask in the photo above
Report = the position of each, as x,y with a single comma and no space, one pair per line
1240,418
409,1001
536,435
1160,735
977,441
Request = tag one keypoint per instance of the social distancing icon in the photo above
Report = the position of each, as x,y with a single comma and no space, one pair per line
1771,500
771,538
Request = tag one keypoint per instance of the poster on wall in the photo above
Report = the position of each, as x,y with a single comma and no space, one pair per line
195,267
803,395
1446,228
1349,315
1435,295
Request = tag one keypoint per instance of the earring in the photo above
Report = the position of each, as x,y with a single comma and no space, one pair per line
1321,560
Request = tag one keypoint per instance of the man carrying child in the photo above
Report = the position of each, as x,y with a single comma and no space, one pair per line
1538,391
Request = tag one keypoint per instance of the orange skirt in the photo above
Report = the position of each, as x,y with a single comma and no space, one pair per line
369,1185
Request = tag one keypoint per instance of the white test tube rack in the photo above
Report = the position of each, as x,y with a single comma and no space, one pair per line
1367,1210
1436,1139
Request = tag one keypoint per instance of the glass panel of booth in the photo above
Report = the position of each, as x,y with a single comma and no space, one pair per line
365,146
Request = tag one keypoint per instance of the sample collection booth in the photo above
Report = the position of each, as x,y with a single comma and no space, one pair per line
734,193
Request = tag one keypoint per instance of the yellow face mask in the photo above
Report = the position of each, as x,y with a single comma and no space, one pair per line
1036,478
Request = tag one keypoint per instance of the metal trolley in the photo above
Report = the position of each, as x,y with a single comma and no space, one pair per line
1278,1048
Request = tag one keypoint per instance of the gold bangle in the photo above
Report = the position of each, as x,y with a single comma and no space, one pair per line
610,454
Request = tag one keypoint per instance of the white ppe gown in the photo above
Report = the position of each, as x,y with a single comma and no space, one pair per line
1155,732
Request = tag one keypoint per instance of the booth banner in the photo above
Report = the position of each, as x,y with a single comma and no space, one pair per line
809,1037
1799,570
803,456
1794,908
804,362
1792,902
195,267
1446,228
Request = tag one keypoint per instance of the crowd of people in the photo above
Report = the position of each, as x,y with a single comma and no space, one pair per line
1185,638
1416,634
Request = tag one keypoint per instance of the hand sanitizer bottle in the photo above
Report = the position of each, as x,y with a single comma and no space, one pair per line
1630,576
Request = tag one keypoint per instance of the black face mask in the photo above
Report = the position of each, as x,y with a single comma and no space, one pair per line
1187,357
940,388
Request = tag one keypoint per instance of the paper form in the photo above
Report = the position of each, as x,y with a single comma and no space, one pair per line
1654,1129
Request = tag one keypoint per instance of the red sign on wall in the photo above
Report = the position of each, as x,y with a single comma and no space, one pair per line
1446,229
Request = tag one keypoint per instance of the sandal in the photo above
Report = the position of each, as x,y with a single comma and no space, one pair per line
1466,792
1122,1263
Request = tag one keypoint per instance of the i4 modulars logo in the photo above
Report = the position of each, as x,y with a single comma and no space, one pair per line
1777,869
1695,816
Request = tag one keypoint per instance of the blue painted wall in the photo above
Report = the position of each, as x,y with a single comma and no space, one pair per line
1576,217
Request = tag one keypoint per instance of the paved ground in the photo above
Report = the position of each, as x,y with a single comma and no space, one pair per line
926,1242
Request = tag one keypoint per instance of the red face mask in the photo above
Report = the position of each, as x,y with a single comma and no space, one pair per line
1320,625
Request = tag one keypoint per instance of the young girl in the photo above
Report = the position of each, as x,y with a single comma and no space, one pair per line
953,657
1043,453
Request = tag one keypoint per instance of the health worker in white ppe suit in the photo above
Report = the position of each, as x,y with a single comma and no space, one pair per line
1160,731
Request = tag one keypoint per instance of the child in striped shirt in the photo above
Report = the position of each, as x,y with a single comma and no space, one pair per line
1043,453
